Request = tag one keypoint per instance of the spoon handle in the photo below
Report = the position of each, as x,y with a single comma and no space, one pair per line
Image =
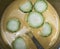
38,45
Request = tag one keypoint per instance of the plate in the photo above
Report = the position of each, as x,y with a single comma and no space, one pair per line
12,11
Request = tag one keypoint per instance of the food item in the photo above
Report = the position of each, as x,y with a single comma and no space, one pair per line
40,5
35,19
46,30
26,7
48,16
19,43
13,25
